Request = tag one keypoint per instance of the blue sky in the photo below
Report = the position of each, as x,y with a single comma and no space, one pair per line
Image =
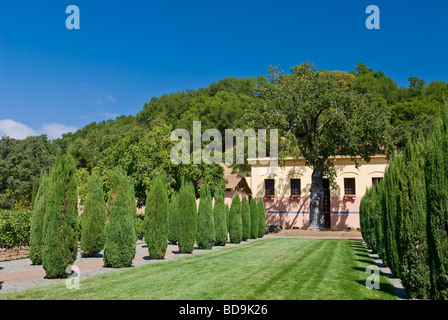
53,79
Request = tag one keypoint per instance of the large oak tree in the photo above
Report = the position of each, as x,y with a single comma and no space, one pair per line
321,116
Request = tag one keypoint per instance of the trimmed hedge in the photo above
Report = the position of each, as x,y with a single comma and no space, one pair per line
404,218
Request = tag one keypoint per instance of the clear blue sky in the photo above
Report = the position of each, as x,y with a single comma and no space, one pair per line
129,51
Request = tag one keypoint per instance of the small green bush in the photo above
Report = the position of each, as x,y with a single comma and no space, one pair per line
14,228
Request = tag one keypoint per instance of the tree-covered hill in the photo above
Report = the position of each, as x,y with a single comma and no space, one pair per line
140,144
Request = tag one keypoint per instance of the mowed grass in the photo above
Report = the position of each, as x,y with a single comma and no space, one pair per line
267,269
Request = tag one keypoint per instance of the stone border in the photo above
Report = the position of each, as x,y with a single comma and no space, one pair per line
400,291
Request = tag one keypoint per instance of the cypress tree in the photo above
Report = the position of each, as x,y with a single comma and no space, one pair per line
156,218
254,217
228,217
188,217
173,219
120,234
37,220
60,246
436,174
235,223
93,218
245,217
206,227
261,218
220,215
412,242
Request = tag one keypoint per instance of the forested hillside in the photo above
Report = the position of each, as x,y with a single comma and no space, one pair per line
140,144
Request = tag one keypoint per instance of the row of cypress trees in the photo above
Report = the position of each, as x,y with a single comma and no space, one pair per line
404,218
112,228
55,223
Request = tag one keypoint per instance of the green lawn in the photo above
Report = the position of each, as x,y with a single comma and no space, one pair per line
263,269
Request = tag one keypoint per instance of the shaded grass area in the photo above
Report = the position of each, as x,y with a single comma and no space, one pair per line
267,269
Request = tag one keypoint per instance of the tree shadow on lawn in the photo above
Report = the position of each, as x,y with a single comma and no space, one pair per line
1,285
384,287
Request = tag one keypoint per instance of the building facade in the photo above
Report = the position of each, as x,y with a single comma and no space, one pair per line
286,190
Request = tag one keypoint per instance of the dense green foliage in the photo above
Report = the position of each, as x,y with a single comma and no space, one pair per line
245,219
206,226
173,219
120,235
156,218
21,163
254,218
220,219
14,228
188,217
404,217
37,220
93,218
261,218
60,245
235,220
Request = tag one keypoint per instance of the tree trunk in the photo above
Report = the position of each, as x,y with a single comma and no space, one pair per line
317,197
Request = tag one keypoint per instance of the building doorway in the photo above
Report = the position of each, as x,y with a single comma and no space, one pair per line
326,210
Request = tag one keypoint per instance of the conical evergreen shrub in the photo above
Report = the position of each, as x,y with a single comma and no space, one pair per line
120,234
245,217
206,229
220,215
173,219
156,218
254,217
228,217
261,218
235,224
93,218
60,246
37,220
188,218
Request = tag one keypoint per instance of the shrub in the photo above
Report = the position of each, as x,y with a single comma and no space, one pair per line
220,215
235,224
120,235
14,228
245,217
206,229
261,218
228,217
60,246
254,218
37,220
93,218
187,218
173,219
156,218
